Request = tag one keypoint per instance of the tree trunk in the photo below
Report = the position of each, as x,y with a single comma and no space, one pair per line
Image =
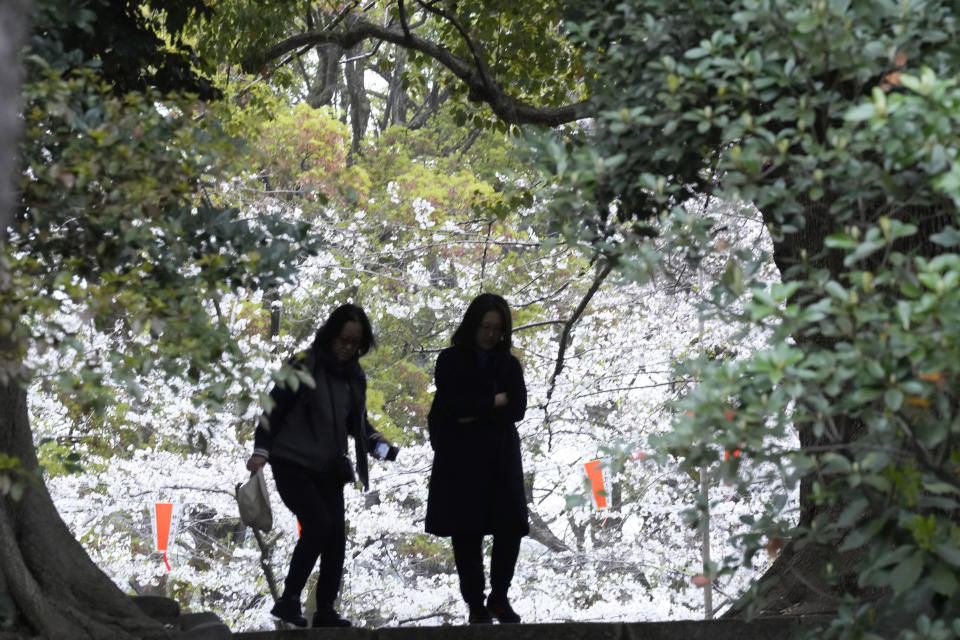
13,19
359,103
797,582
327,79
395,109
55,589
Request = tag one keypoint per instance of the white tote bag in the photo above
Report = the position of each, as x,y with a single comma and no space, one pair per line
254,502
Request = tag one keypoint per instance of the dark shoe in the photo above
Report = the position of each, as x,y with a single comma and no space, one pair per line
502,611
288,610
479,615
329,618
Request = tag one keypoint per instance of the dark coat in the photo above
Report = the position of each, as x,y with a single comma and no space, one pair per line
300,429
476,485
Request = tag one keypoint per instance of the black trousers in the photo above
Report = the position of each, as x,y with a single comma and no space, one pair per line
317,501
468,556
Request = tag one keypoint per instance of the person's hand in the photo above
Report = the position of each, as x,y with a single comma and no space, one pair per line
500,400
255,463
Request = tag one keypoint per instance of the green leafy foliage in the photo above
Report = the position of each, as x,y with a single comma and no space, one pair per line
752,94
118,227
135,44
890,373
838,121
57,458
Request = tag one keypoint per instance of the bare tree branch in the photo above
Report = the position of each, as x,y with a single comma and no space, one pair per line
343,14
471,139
572,321
534,325
266,551
429,107
403,19
483,261
539,529
568,329
481,64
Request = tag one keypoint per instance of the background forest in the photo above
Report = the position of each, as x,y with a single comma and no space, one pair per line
409,211
726,231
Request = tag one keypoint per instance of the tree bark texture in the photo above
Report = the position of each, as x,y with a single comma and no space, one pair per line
327,79
13,27
796,583
396,113
54,587
429,107
357,93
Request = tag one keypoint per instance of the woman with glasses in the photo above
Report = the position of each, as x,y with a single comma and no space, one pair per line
304,437
476,486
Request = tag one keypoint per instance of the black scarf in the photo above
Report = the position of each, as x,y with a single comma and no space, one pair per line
351,372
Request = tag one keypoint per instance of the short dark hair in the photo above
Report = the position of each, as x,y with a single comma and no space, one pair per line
334,325
467,331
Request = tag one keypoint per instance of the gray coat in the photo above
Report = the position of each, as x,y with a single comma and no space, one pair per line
309,427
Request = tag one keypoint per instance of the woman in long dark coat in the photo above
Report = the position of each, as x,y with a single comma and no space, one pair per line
476,487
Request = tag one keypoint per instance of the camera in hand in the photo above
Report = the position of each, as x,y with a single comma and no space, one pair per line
384,451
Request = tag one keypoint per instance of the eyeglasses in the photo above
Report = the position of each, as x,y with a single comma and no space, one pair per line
494,329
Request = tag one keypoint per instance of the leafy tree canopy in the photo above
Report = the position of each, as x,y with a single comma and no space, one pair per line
119,219
134,44
837,121
509,55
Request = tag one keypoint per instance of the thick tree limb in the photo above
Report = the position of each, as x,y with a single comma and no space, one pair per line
481,87
429,107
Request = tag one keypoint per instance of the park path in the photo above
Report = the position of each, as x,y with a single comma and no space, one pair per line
780,628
